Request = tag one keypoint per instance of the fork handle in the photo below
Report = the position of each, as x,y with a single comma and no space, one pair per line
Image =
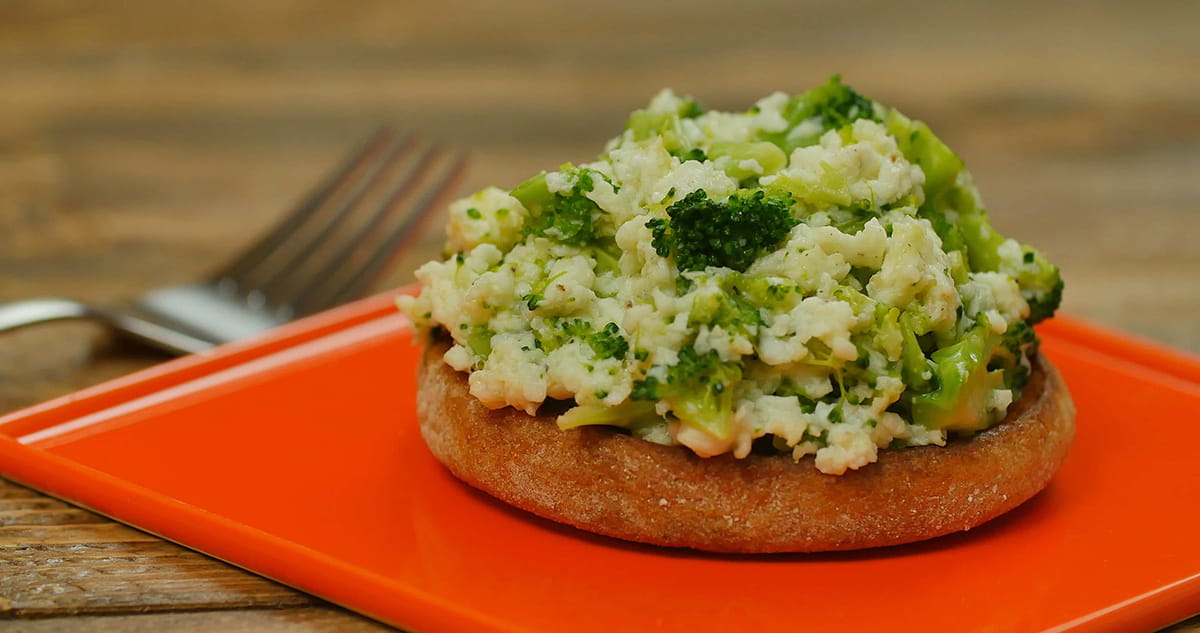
19,314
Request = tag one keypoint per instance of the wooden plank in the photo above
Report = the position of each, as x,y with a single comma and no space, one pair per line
57,559
299,620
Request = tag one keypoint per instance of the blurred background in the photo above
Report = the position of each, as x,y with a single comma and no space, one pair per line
143,142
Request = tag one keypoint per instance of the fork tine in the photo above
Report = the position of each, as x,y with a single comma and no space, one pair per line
400,237
230,276
299,250
323,286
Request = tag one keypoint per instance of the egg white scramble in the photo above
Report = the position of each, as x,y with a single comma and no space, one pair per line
815,275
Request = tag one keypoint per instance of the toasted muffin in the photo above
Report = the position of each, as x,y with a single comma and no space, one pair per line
605,481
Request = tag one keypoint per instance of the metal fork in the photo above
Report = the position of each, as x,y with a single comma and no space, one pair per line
328,250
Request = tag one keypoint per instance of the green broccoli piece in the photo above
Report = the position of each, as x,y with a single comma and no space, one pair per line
607,255
894,333
1016,344
732,234
566,218
626,415
639,417
835,103
923,148
1019,337
646,124
699,390
480,340
1043,305
608,342
533,299
839,105
736,308
962,383
914,367
1040,281
831,190
690,108
971,232
575,328
537,293
730,310
981,240
768,156
534,192
789,389
1041,284
560,332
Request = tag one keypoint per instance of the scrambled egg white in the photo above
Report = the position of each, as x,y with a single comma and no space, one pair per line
813,276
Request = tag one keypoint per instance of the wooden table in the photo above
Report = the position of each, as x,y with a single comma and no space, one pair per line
139,146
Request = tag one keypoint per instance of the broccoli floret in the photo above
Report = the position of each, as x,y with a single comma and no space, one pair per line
835,103
566,218
1043,306
575,328
698,389
1040,281
839,105
1019,337
732,234
608,342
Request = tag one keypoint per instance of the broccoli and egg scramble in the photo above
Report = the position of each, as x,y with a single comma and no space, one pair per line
813,276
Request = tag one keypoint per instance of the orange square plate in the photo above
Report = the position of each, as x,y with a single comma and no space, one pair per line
297,456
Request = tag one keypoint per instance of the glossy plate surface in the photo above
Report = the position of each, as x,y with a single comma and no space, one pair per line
297,456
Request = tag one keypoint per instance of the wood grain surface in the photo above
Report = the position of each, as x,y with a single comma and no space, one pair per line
141,143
